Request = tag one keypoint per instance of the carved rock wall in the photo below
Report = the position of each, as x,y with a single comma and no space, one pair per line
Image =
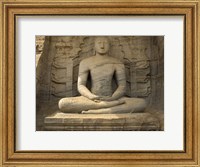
57,69
157,72
42,63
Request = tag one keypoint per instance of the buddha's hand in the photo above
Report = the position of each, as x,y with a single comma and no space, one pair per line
95,98
106,98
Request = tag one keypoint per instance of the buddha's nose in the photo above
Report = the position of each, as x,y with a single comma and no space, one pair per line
102,45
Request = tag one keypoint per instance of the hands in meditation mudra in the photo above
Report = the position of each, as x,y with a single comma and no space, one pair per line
101,99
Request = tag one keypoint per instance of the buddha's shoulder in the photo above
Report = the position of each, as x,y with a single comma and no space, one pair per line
87,60
114,60
94,59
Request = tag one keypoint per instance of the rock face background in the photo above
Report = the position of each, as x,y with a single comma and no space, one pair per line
58,59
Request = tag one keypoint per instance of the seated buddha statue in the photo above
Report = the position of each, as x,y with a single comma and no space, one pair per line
101,98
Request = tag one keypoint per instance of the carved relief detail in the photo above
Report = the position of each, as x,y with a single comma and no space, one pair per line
136,59
69,51
62,67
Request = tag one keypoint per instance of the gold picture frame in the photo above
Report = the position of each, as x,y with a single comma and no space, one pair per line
191,154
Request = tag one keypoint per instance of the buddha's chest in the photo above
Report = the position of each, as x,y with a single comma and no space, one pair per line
100,71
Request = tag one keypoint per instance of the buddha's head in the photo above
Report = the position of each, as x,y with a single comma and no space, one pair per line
101,45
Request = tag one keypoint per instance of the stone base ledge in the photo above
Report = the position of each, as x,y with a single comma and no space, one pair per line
102,122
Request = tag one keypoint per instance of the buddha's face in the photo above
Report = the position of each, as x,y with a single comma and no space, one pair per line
101,45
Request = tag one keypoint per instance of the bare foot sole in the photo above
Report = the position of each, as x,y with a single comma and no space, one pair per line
84,112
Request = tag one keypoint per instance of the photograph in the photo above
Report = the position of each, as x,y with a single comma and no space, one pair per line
99,83
90,83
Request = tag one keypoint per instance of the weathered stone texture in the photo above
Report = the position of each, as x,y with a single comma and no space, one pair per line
103,122
58,59
142,57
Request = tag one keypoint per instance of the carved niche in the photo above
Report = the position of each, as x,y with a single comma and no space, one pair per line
133,51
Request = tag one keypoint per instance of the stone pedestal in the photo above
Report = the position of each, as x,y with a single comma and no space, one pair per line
101,122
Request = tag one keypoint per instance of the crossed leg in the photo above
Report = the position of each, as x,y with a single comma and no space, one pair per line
81,103
131,105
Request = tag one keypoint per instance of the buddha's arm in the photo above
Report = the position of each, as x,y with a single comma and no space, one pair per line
121,82
82,80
